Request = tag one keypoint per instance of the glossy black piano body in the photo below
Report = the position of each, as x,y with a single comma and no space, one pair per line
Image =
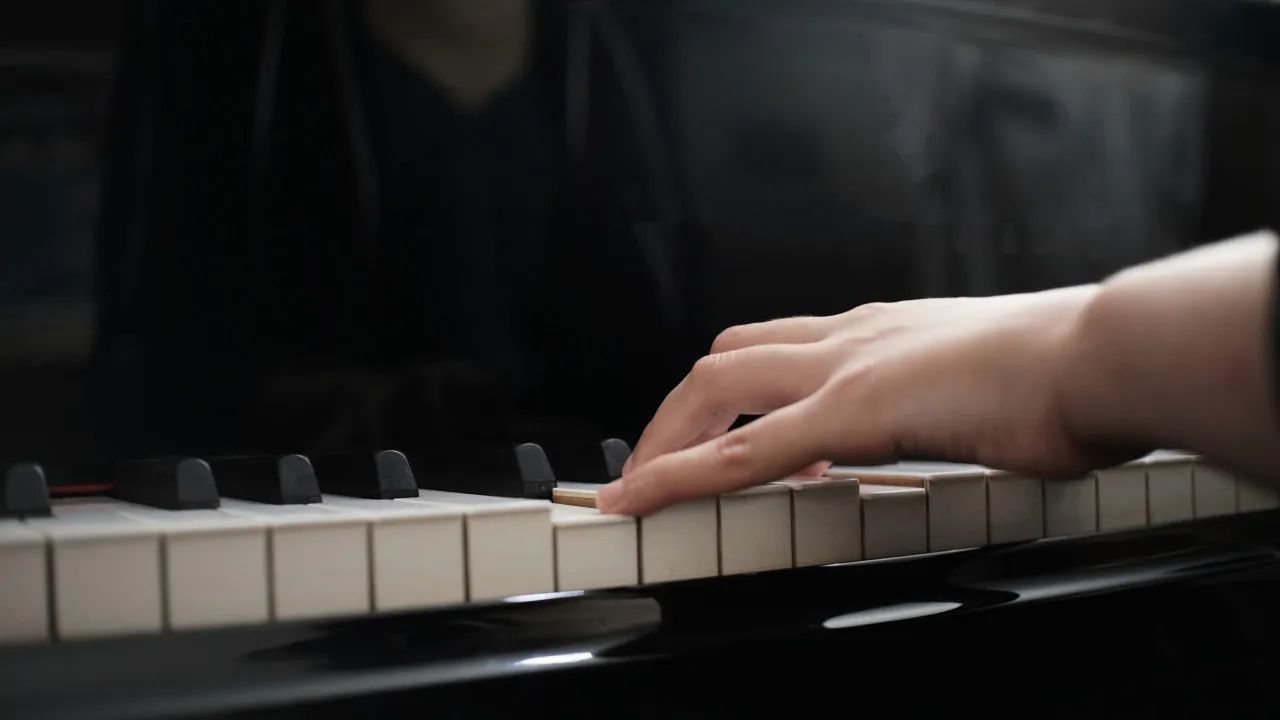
1179,620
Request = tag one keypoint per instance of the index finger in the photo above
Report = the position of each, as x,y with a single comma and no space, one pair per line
782,331
774,447
749,381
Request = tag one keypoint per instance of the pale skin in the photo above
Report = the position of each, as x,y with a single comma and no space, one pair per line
1169,354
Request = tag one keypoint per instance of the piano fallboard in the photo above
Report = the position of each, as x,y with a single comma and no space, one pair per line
824,618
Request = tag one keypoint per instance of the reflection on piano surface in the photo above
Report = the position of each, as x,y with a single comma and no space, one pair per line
446,268
371,279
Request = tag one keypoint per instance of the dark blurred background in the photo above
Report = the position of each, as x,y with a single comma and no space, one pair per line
264,225
57,61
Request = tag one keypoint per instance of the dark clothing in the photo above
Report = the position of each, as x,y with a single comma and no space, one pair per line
469,205
286,199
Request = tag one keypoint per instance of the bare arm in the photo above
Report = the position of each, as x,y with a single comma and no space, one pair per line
1178,353
1175,353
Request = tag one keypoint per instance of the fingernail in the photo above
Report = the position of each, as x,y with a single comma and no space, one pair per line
610,498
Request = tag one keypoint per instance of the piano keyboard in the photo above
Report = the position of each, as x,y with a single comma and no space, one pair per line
173,553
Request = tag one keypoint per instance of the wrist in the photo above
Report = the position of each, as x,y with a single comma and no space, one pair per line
1100,401
1175,353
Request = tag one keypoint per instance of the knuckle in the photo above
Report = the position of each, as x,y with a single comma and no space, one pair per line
857,339
839,345
734,451
707,368
849,381
728,339
711,382
868,310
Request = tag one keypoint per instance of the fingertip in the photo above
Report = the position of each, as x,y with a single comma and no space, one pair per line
611,499
640,493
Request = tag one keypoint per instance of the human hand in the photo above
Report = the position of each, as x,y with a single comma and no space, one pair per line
962,379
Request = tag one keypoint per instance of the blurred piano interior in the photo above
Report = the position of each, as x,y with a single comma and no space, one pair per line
216,237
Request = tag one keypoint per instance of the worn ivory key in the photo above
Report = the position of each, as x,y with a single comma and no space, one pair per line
957,497
594,550
1170,487
1122,496
24,589
105,571
216,568
826,520
417,551
1071,506
509,543
895,521
681,542
1015,508
319,559
755,529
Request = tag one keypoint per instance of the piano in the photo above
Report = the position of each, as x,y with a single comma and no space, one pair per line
315,349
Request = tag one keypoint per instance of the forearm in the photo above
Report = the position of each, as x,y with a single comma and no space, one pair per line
1177,353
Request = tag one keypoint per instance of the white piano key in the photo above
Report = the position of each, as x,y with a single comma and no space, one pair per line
1215,492
1180,455
895,521
1015,508
1122,497
106,571
319,559
826,520
594,550
680,542
1255,496
755,530
509,543
24,589
1071,506
1170,487
418,552
216,568
957,497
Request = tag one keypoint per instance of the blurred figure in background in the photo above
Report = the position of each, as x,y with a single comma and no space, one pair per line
337,225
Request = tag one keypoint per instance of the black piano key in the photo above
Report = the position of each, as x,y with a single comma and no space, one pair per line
289,480
26,492
167,483
381,475
522,471
616,453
